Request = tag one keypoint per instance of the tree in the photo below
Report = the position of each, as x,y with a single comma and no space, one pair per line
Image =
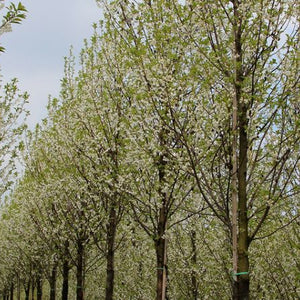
249,49
152,66
12,116
12,111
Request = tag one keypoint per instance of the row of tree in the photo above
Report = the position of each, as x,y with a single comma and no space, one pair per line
169,166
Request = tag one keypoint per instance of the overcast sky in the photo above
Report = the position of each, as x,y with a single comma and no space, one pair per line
35,49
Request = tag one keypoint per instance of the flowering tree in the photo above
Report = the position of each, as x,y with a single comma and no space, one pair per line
12,116
11,107
248,51
153,68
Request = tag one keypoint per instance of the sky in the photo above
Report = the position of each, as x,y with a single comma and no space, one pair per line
35,49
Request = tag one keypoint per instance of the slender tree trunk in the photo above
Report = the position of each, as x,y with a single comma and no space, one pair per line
66,268
65,285
243,244
161,256
110,271
234,183
39,288
241,276
27,290
52,282
160,242
80,271
19,288
32,289
194,263
12,287
161,264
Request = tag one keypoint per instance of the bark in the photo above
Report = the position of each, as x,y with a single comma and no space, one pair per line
161,254
12,291
110,271
32,289
194,263
4,295
160,241
161,264
234,183
241,279
19,288
52,283
65,271
39,289
243,259
80,271
27,290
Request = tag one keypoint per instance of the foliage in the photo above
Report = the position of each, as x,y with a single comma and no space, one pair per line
15,14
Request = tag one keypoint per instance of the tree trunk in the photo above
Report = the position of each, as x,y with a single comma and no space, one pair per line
27,290
243,244
194,263
66,268
5,294
161,256
110,271
52,283
241,275
12,291
32,289
234,184
160,241
161,264
39,288
19,288
80,271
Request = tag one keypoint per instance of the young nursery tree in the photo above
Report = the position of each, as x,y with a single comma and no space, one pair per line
153,66
12,112
248,52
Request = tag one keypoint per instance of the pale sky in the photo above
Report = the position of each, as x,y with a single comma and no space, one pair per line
35,49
